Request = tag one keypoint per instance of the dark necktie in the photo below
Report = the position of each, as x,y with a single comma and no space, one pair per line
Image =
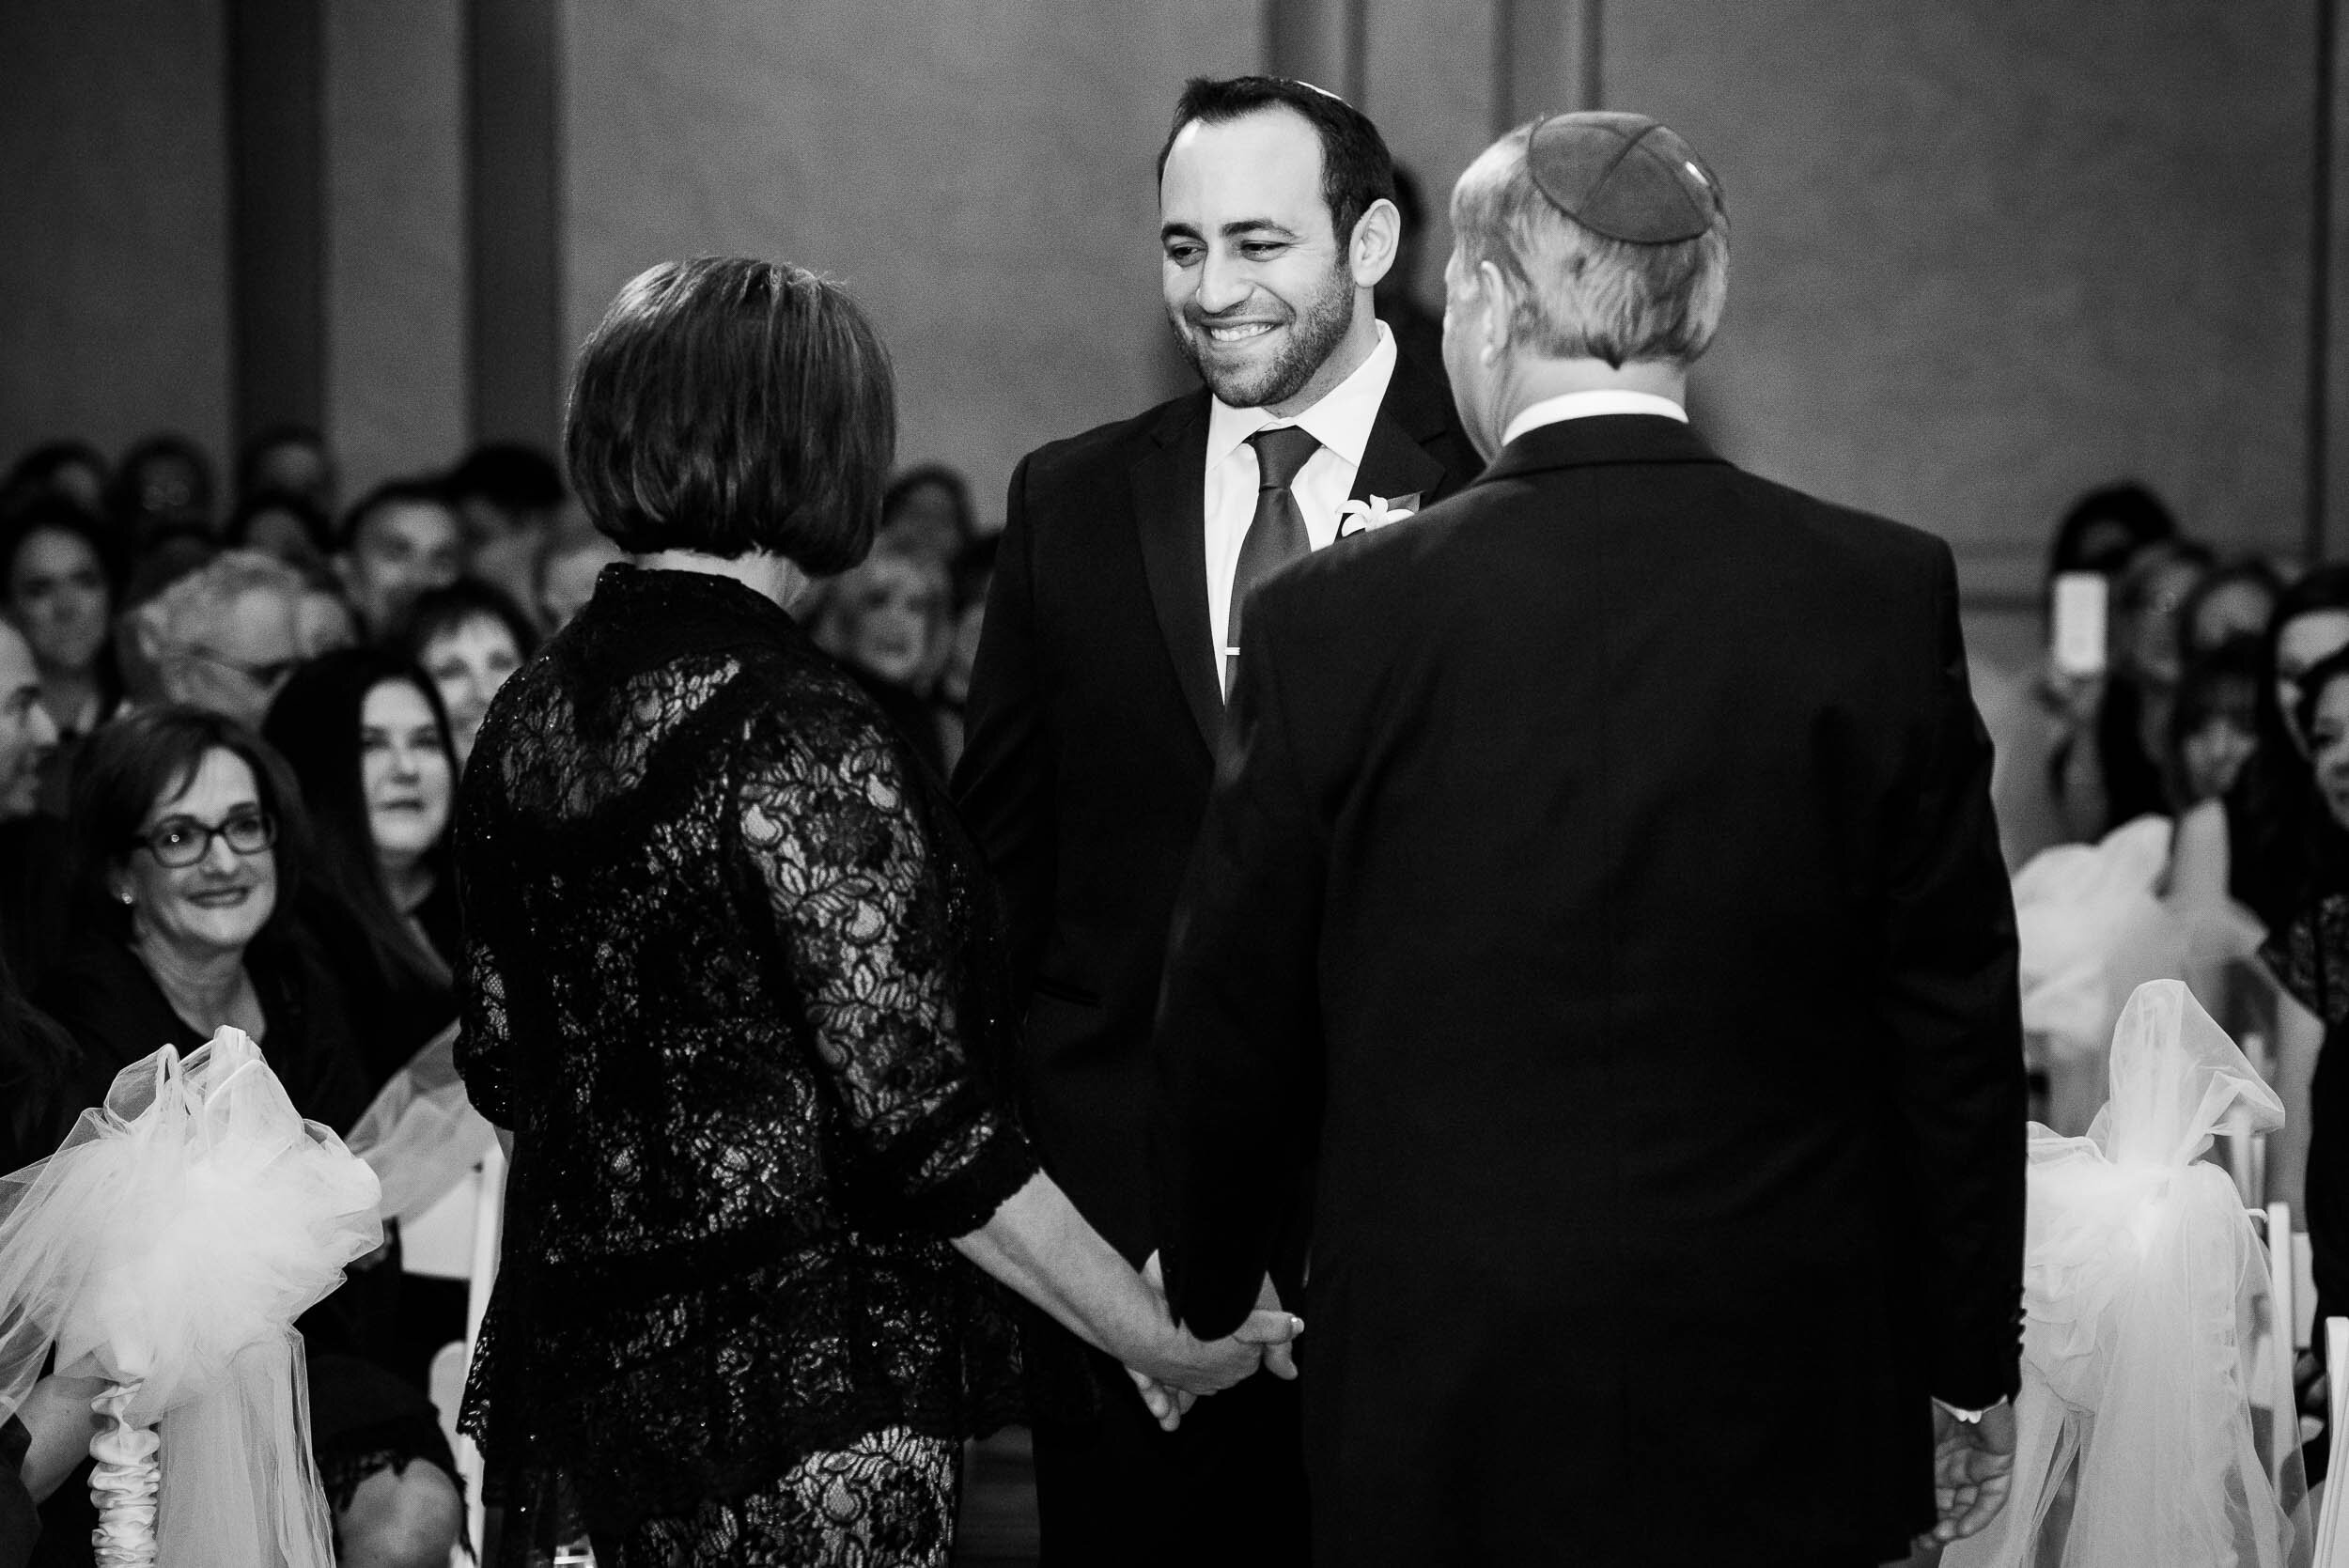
1276,535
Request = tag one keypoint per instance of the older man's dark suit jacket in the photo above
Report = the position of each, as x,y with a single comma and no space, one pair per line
1602,880
1095,708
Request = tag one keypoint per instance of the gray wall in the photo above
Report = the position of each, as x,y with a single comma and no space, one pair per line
1986,254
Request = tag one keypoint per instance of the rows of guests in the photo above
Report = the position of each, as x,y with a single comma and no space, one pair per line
2223,705
229,745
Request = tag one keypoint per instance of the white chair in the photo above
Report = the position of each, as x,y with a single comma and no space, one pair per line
2332,1534
449,1366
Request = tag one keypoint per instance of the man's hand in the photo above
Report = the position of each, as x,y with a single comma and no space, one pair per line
1267,1333
1280,1358
1973,1464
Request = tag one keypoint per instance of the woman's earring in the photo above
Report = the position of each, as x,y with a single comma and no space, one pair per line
127,899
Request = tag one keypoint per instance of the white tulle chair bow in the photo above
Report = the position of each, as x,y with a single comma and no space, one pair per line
166,1248
421,1135
2142,1279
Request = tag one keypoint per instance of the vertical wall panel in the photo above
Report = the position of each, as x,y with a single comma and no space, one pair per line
113,257
513,190
396,237
277,212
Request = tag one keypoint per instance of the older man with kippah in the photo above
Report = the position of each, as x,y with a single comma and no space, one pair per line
1600,890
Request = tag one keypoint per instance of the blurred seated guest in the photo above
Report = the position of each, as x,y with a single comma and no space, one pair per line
2113,773
186,832
2044,781
284,524
74,469
2272,809
287,459
885,620
508,497
45,1081
2308,950
367,743
28,734
162,483
467,637
324,620
2104,530
397,540
973,575
33,878
59,593
163,560
226,636
2214,722
2231,602
927,511
566,574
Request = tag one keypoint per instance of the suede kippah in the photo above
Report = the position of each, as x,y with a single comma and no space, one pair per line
1625,175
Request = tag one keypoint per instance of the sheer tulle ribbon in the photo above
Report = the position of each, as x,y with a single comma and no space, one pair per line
166,1249
2142,1276
421,1136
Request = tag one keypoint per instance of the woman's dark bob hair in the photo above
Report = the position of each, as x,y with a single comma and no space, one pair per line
133,765
727,406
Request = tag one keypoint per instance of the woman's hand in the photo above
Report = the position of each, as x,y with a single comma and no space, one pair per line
1178,1370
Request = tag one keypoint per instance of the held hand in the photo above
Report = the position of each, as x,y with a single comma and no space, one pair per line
1974,1464
1183,1368
1279,1354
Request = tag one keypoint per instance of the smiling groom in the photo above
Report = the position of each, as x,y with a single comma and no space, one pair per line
1118,604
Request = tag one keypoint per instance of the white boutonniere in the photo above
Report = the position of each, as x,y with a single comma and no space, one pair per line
1361,517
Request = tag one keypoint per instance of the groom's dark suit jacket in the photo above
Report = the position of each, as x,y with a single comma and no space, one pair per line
1094,710
1602,880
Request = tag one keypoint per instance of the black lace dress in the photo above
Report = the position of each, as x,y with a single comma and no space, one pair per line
729,977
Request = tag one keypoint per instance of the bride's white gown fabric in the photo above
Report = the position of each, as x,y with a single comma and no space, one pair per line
167,1247
2142,1279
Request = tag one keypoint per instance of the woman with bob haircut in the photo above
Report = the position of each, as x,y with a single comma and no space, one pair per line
731,979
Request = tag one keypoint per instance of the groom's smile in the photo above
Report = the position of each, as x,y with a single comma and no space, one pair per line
1256,281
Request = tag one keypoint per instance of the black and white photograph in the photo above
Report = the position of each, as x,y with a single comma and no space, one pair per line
1174,784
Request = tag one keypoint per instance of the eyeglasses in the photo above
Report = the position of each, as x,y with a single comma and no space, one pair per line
182,841
271,675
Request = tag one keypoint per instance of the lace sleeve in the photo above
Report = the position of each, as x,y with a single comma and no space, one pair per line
860,901
481,1050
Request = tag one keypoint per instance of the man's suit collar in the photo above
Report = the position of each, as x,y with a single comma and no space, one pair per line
1170,513
1612,437
1168,485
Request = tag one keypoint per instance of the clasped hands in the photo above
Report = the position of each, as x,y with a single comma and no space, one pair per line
1184,1366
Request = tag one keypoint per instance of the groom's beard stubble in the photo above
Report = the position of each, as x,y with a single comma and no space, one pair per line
1313,337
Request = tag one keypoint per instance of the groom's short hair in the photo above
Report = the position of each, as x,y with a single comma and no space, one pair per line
1356,167
1581,294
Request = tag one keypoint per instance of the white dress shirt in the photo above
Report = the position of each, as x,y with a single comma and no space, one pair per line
1586,405
1341,421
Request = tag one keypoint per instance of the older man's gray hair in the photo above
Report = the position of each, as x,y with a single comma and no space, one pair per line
1580,294
192,613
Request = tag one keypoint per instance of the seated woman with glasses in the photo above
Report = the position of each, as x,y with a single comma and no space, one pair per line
225,637
188,838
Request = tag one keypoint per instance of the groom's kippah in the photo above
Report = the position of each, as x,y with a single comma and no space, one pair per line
1626,175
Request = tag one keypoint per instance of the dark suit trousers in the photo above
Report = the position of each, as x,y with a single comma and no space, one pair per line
1227,1487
